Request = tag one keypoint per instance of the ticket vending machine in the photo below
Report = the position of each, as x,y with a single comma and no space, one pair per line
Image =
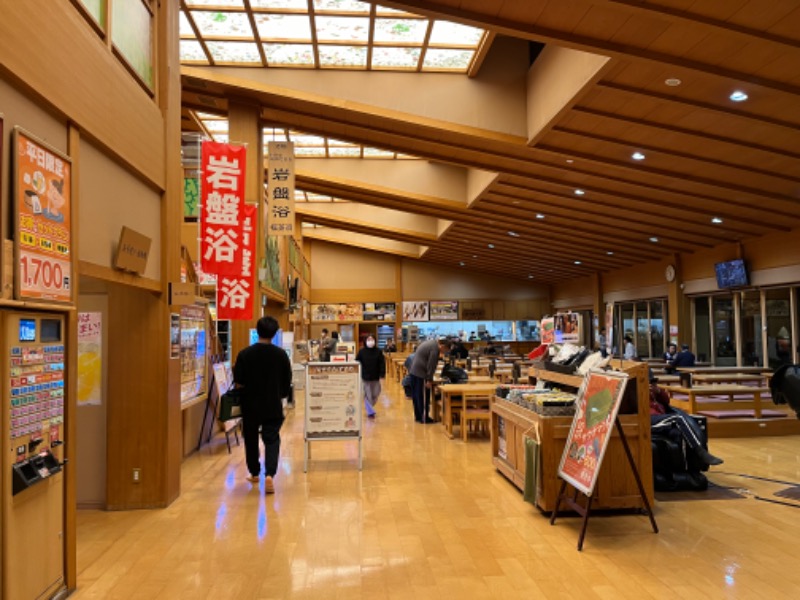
33,365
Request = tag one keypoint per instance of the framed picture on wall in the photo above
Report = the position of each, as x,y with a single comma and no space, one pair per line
415,311
444,310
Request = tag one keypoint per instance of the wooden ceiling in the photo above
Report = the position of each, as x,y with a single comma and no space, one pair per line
707,158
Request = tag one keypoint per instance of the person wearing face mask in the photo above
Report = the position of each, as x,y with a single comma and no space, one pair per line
373,371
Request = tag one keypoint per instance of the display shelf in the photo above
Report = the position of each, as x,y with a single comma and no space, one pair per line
616,486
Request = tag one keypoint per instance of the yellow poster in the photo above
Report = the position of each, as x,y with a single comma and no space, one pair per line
90,358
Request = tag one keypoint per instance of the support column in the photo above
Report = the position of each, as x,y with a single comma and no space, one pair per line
679,306
244,125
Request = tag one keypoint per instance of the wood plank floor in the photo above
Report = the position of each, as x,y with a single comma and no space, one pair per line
429,517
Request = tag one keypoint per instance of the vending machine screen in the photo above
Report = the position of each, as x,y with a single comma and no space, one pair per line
27,330
51,330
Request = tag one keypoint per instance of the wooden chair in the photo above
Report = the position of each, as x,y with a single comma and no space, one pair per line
475,407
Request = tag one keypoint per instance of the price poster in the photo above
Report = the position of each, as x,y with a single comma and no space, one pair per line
333,400
42,208
595,413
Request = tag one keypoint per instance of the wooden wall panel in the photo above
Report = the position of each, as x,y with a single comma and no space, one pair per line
137,404
52,48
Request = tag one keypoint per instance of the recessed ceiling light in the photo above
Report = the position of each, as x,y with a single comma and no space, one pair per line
474,256
577,262
530,276
490,245
637,156
672,82
461,263
738,96
579,192
513,234
539,216
716,220
610,253
515,202
654,239
570,161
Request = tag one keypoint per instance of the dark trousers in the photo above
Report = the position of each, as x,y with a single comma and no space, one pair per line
688,427
418,396
270,435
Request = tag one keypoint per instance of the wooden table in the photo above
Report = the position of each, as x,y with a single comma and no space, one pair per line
720,370
456,389
710,378
730,390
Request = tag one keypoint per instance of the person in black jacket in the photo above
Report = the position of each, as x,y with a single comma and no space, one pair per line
373,371
265,373
459,350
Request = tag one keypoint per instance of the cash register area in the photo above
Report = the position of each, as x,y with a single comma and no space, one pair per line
429,517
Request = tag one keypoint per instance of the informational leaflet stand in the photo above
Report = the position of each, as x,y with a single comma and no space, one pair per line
333,405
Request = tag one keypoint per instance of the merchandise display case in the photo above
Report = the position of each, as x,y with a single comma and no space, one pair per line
194,366
616,486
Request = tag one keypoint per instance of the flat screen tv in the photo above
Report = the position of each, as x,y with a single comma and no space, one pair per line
731,274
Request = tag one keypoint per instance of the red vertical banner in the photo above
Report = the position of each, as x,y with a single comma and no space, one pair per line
222,197
235,292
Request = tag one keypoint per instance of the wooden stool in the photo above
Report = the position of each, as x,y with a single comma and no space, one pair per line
475,407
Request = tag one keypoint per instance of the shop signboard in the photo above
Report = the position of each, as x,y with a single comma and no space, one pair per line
333,400
280,188
444,310
596,411
415,311
43,213
337,312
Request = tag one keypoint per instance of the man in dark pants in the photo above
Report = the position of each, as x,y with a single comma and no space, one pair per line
423,368
265,373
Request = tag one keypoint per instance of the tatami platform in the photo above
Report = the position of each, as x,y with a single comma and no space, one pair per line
428,517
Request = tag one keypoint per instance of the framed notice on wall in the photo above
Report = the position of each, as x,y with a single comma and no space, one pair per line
42,209
444,310
595,413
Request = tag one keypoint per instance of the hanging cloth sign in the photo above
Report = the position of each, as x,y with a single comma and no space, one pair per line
280,188
222,197
235,292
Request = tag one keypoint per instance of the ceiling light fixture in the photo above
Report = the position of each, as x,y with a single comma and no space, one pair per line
461,263
515,202
490,246
637,156
738,96
539,216
577,262
672,82
570,161
579,192
610,253
716,220
654,240
530,276
513,234
474,256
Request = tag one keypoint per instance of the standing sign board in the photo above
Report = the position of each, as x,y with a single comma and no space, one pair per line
333,404
595,414
42,210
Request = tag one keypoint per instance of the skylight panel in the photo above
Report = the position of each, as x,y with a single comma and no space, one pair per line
455,34
347,29
295,4
377,153
234,52
309,152
436,58
400,30
312,197
223,24
192,51
290,55
301,139
342,6
231,3
284,27
395,57
342,56
218,126
185,27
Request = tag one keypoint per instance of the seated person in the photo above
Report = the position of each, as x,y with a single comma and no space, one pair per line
662,415
390,347
490,348
472,337
669,356
684,358
459,350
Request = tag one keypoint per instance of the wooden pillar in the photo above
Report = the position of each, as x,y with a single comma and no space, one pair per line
679,306
244,125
